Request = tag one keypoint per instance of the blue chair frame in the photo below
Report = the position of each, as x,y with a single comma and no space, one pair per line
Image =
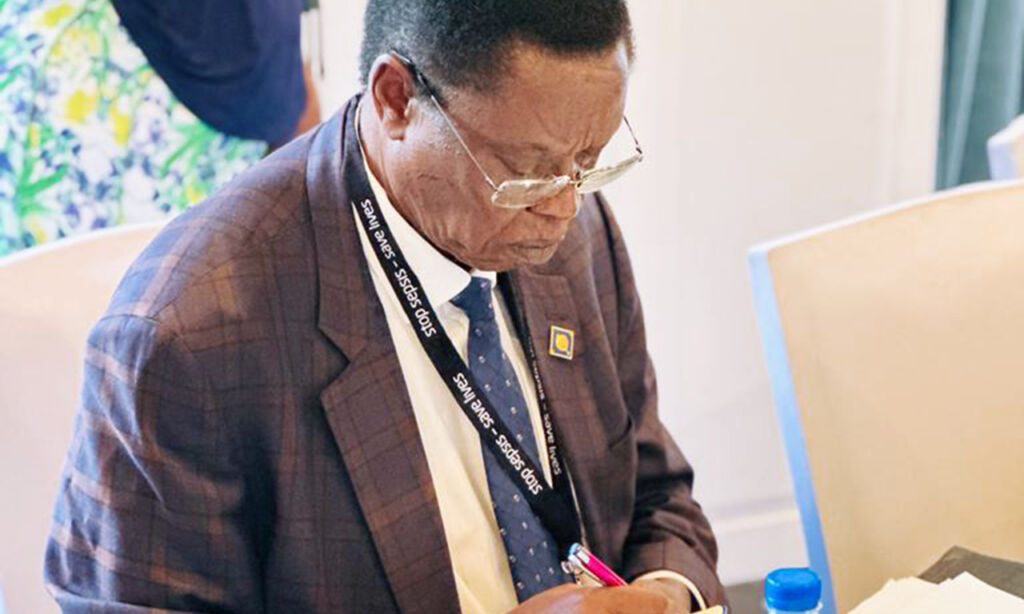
777,360
1002,164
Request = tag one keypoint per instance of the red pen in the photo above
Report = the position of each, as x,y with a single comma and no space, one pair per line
583,561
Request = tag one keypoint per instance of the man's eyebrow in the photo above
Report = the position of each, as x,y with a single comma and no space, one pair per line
535,151
540,148
518,147
535,148
526,147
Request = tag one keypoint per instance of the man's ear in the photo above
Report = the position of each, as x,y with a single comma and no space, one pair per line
391,90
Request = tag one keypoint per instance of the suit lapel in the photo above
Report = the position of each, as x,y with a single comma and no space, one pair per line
545,301
367,406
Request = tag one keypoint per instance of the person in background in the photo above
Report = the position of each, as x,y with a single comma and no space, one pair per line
131,110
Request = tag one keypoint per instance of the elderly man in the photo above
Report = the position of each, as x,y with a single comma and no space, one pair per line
400,365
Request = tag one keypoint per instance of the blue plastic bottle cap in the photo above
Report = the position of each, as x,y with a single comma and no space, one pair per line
792,590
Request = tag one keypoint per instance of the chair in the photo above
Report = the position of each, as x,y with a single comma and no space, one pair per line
895,346
49,298
1006,151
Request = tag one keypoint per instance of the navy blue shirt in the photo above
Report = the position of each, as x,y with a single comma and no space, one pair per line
236,64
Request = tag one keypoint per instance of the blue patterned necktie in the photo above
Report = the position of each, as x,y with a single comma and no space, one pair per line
532,552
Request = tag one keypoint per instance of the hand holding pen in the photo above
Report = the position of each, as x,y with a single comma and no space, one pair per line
635,599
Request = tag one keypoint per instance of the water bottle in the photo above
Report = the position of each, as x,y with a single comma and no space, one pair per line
792,591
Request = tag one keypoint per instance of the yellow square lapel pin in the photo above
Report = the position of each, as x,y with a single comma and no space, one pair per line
561,342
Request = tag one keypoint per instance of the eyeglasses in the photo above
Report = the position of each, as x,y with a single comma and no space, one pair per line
523,193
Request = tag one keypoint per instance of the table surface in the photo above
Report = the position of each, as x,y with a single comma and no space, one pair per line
1000,573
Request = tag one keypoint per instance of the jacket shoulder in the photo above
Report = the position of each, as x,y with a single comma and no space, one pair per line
261,212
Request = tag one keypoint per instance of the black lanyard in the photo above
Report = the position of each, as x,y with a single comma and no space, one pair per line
553,505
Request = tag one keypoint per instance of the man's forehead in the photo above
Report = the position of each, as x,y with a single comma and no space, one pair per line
541,98
525,136
526,65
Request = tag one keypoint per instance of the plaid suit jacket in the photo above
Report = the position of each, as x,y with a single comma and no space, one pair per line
245,441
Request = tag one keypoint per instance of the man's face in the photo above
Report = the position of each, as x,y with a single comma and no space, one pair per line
548,116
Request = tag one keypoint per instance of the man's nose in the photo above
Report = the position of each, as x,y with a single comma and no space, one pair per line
562,205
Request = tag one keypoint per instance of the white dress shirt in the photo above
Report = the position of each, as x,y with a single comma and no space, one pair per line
451,443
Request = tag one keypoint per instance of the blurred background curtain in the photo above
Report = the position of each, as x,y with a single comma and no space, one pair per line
983,84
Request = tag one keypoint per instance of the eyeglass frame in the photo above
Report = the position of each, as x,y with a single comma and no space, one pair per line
558,183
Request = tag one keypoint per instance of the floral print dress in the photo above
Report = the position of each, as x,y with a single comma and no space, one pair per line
90,136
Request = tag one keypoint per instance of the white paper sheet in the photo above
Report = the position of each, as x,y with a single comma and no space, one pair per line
964,594
896,595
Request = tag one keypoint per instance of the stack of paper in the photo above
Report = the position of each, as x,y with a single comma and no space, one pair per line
961,595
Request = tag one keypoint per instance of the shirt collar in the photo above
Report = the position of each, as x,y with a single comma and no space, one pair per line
441,278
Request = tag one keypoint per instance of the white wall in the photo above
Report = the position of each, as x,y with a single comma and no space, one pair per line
758,118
